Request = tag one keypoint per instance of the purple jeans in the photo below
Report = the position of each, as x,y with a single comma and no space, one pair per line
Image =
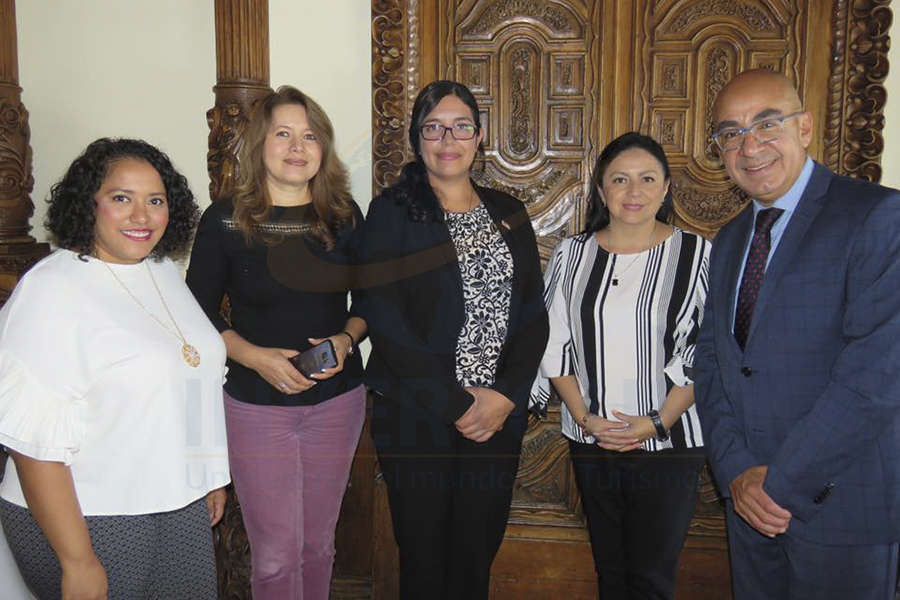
290,466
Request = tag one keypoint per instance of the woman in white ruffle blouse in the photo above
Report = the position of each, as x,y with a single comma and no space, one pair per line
111,392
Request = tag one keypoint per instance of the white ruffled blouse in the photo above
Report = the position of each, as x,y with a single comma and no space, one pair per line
88,378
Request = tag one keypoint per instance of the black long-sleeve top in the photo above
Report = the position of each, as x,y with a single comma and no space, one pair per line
280,294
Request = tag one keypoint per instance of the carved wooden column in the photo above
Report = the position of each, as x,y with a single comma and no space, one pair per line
18,250
242,77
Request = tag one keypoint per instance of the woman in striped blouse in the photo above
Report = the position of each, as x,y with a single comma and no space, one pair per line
625,299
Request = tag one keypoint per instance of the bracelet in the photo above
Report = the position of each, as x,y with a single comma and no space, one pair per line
352,342
661,434
584,418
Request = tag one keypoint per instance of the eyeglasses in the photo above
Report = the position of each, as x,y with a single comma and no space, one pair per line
460,131
765,131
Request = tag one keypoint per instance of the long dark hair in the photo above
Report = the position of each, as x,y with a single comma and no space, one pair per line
421,204
598,213
332,203
71,216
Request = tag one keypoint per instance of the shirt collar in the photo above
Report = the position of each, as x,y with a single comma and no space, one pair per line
791,199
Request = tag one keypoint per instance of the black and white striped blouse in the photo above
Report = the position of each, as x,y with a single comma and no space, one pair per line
625,326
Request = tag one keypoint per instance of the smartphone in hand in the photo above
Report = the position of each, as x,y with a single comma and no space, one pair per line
316,359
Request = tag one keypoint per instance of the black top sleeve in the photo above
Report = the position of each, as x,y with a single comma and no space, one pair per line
207,271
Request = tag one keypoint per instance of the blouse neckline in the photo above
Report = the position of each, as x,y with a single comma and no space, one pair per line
675,230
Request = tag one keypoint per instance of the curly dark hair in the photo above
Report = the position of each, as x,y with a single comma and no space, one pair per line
72,214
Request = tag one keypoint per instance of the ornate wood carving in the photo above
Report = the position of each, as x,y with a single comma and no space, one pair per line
856,94
16,181
242,77
757,19
705,43
232,552
680,80
533,81
489,17
391,101
778,36
545,492
18,250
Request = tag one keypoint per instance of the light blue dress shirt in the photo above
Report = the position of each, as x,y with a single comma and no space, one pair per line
788,203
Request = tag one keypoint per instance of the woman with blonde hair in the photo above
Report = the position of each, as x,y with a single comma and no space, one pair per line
279,248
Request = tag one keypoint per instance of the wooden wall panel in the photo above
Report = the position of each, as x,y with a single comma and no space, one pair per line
532,71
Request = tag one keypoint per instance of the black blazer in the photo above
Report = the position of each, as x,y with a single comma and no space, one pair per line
412,300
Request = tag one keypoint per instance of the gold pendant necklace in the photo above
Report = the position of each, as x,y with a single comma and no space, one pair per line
190,354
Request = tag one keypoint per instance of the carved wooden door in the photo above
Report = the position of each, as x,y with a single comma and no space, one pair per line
556,80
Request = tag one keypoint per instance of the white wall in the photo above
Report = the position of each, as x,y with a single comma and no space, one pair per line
890,160
134,68
324,49
118,68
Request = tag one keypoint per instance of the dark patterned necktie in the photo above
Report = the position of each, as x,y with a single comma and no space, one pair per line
754,270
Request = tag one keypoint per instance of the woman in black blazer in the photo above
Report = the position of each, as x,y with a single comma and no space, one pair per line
454,306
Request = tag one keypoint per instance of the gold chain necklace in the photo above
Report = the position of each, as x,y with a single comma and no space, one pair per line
188,352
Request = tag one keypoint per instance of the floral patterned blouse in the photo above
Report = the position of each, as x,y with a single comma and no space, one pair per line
486,267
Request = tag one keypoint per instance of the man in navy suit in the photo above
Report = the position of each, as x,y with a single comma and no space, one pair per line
798,360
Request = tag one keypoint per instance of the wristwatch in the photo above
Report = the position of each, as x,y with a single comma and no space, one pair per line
661,434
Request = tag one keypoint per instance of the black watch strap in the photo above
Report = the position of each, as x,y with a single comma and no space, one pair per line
661,434
352,343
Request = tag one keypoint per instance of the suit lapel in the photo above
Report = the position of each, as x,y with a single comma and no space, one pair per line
807,209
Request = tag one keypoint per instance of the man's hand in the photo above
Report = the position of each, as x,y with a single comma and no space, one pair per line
755,506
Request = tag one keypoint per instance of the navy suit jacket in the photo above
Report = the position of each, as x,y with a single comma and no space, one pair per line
815,395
